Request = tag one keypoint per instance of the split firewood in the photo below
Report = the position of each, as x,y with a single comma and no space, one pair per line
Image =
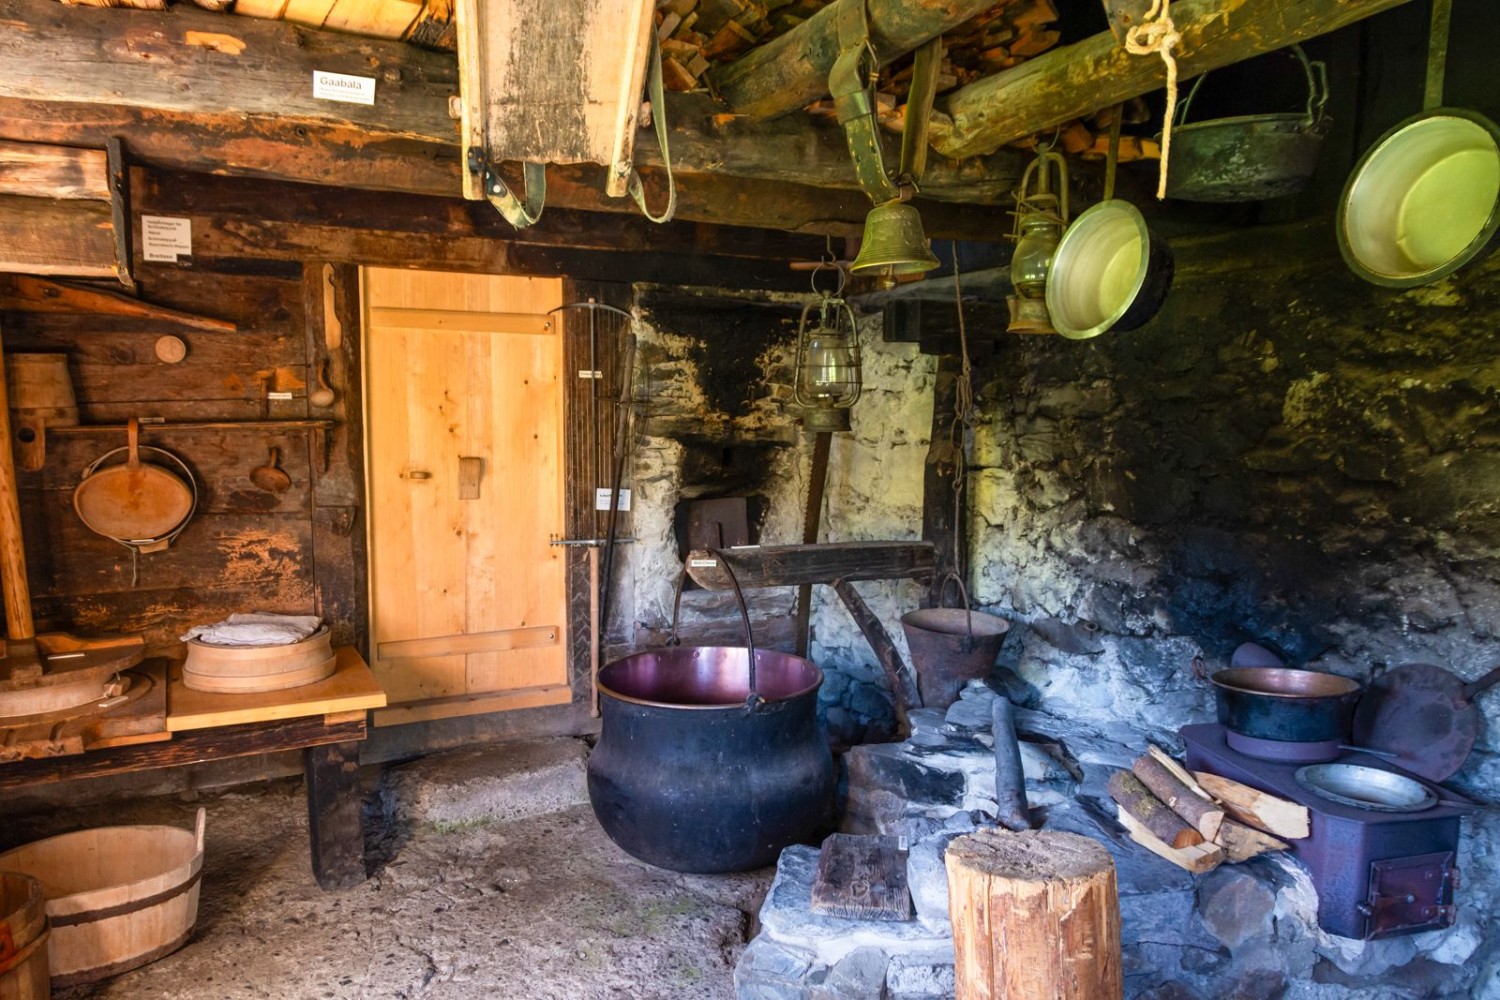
1136,799
731,40
1241,842
1194,806
675,77
1197,858
1258,809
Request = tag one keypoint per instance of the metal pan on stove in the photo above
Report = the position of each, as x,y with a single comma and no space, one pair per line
1366,788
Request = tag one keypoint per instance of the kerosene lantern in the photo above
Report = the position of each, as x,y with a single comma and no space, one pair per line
1041,216
828,365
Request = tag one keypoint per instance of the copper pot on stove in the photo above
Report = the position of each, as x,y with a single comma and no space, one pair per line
1286,705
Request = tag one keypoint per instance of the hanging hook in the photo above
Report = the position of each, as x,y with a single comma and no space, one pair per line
828,265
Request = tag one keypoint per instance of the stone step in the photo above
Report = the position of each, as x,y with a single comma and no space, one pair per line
494,784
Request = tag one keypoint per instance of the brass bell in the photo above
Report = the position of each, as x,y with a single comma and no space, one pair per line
894,241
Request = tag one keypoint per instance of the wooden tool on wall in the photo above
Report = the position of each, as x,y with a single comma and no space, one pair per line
43,674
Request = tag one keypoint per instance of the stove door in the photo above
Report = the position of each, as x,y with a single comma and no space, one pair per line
1410,894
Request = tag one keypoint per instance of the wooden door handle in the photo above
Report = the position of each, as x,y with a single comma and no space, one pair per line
470,471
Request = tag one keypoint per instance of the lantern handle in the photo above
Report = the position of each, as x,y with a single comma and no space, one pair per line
827,264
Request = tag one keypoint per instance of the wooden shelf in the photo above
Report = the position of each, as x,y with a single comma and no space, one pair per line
352,688
198,425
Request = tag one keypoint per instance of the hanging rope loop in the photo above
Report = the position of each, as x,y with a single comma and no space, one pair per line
1156,34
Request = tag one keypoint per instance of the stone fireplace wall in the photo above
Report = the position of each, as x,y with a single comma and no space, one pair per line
718,419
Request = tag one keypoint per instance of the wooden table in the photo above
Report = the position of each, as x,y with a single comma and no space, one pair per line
326,721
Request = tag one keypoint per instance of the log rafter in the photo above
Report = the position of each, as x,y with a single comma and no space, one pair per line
1072,81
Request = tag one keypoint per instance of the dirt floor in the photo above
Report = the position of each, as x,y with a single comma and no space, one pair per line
537,908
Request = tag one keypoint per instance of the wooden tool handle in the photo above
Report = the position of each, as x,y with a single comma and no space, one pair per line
1474,688
133,436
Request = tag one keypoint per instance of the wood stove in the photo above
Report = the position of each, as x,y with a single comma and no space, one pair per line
1378,873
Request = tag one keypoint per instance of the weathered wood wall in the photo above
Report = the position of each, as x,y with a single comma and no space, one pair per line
245,548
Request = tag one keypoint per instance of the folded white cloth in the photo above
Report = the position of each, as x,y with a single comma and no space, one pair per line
257,628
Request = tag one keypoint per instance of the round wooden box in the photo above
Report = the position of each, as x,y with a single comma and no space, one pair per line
248,669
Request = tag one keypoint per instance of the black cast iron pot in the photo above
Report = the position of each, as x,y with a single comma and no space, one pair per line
1279,703
706,763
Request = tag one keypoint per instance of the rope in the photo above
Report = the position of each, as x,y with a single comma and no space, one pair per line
1157,34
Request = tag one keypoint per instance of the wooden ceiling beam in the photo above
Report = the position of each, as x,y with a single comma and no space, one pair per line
791,71
1075,80
234,95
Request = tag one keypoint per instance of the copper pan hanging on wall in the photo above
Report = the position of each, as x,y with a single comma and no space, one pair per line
1425,199
139,504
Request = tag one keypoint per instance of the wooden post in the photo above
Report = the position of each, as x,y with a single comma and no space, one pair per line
333,806
17,591
938,524
811,521
1035,914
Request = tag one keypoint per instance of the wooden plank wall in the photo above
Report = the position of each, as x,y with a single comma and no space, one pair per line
245,549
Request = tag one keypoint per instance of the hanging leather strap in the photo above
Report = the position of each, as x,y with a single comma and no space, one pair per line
659,120
519,212
848,82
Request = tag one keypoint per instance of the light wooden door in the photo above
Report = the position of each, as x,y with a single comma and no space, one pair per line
464,397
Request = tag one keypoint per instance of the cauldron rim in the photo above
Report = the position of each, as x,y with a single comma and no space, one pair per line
764,659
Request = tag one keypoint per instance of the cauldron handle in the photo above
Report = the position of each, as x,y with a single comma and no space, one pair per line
753,699
968,643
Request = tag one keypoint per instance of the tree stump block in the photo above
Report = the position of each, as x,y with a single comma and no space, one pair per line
1035,914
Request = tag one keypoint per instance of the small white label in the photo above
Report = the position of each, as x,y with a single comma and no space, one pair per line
280,395
343,87
901,843
601,499
584,373
702,563
165,238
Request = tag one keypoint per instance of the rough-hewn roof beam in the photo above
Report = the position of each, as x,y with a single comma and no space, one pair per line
788,72
1074,80
237,83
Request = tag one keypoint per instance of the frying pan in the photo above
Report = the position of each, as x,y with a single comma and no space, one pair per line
139,504
1424,715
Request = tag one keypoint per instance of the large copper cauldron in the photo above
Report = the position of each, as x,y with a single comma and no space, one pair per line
705,763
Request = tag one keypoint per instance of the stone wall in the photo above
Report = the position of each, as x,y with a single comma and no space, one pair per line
715,373
1285,455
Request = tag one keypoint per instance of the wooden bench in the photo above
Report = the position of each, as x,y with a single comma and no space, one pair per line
326,721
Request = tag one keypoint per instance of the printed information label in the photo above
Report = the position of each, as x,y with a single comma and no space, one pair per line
165,238
343,87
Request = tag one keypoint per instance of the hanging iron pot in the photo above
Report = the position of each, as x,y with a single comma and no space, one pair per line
1425,199
710,758
1249,157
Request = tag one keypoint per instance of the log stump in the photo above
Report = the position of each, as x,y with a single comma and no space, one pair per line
1035,914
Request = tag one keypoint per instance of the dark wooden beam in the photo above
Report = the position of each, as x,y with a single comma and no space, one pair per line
793,565
1072,81
790,71
75,76
237,220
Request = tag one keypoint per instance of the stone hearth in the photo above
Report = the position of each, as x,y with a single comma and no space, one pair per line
1241,931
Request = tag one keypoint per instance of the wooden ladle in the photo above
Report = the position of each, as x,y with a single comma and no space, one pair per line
271,477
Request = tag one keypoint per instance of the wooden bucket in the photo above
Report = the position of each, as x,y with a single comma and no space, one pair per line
23,939
41,393
118,897
246,669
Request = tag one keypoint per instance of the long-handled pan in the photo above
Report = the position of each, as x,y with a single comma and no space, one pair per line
140,504
1424,715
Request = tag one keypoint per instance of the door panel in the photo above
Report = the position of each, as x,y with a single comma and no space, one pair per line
467,595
